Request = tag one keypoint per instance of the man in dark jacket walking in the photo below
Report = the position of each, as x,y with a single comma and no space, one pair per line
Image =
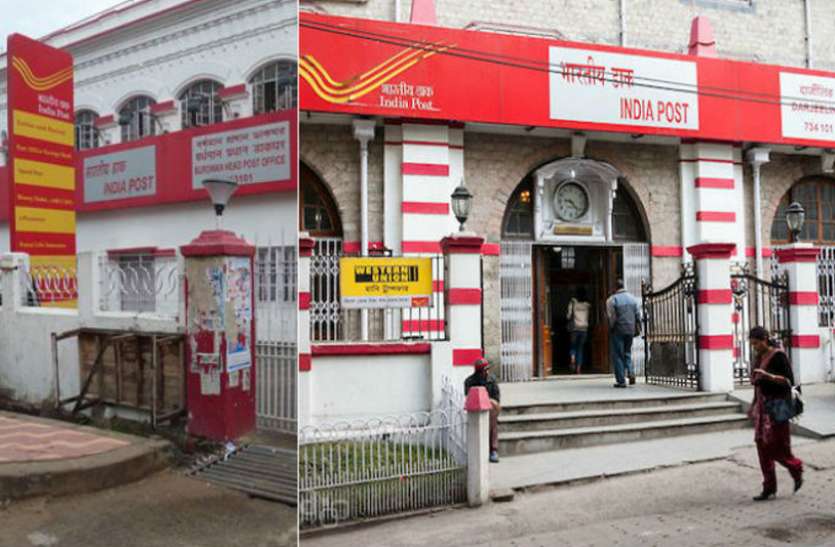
624,324
482,377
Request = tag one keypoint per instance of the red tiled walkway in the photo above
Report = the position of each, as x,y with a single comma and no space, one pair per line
24,439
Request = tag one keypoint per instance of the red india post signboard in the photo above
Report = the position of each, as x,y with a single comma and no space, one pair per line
369,67
41,165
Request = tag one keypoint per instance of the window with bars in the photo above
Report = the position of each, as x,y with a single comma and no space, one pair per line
200,104
138,279
275,269
274,87
136,119
86,133
817,196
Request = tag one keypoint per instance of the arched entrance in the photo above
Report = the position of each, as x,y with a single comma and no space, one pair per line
571,226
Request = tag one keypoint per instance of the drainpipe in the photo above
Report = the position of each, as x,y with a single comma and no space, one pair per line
622,23
808,16
757,157
396,11
364,132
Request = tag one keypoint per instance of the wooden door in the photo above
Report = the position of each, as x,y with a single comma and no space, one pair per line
609,265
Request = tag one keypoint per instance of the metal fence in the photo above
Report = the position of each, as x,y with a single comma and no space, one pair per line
276,294
516,310
276,385
329,322
826,287
367,469
140,283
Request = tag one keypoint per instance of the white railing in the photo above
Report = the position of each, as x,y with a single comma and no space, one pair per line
140,283
364,469
276,385
276,292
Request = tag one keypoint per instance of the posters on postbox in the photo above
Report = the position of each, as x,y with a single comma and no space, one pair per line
385,282
41,165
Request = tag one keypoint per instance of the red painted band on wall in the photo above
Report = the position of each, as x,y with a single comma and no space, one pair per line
717,183
427,143
669,250
438,285
432,247
464,357
803,298
167,106
752,252
424,208
305,362
232,91
716,341
735,318
427,169
715,216
304,300
464,297
352,247
370,349
715,296
147,251
491,249
423,325
806,341
306,246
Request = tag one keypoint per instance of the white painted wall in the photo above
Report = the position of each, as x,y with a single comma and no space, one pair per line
366,386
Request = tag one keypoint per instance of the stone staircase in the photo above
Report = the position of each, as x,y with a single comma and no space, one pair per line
530,428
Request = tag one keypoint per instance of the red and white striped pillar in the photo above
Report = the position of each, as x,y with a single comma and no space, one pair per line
800,261
712,197
463,309
714,315
305,379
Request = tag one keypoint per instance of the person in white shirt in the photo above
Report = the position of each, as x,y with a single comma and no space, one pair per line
579,310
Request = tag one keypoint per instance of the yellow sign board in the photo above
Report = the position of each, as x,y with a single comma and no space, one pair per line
385,282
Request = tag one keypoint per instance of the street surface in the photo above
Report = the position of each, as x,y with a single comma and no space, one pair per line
164,510
705,504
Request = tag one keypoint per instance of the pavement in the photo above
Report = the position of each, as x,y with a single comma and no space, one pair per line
48,457
704,504
166,509
598,462
818,418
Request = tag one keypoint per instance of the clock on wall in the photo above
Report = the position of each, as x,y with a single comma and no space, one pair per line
571,201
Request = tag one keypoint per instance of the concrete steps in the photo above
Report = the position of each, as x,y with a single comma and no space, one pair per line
543,427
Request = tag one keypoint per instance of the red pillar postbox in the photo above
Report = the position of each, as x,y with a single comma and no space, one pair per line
220,330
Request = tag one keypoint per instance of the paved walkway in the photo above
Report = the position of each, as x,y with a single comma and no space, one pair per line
597,462
707,504
49,457
25,439
818,418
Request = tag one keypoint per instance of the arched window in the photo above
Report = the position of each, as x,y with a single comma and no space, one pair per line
817,196
86,134
274,87
626,221
318,214
136,119
518,218
200,104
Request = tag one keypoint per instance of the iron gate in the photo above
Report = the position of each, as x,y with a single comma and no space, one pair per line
671,332
758,302
516,311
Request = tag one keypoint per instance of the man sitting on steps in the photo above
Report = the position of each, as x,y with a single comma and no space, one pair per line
482,377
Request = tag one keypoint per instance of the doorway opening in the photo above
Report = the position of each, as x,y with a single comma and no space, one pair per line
563,273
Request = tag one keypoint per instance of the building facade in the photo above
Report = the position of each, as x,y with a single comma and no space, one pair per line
600,139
